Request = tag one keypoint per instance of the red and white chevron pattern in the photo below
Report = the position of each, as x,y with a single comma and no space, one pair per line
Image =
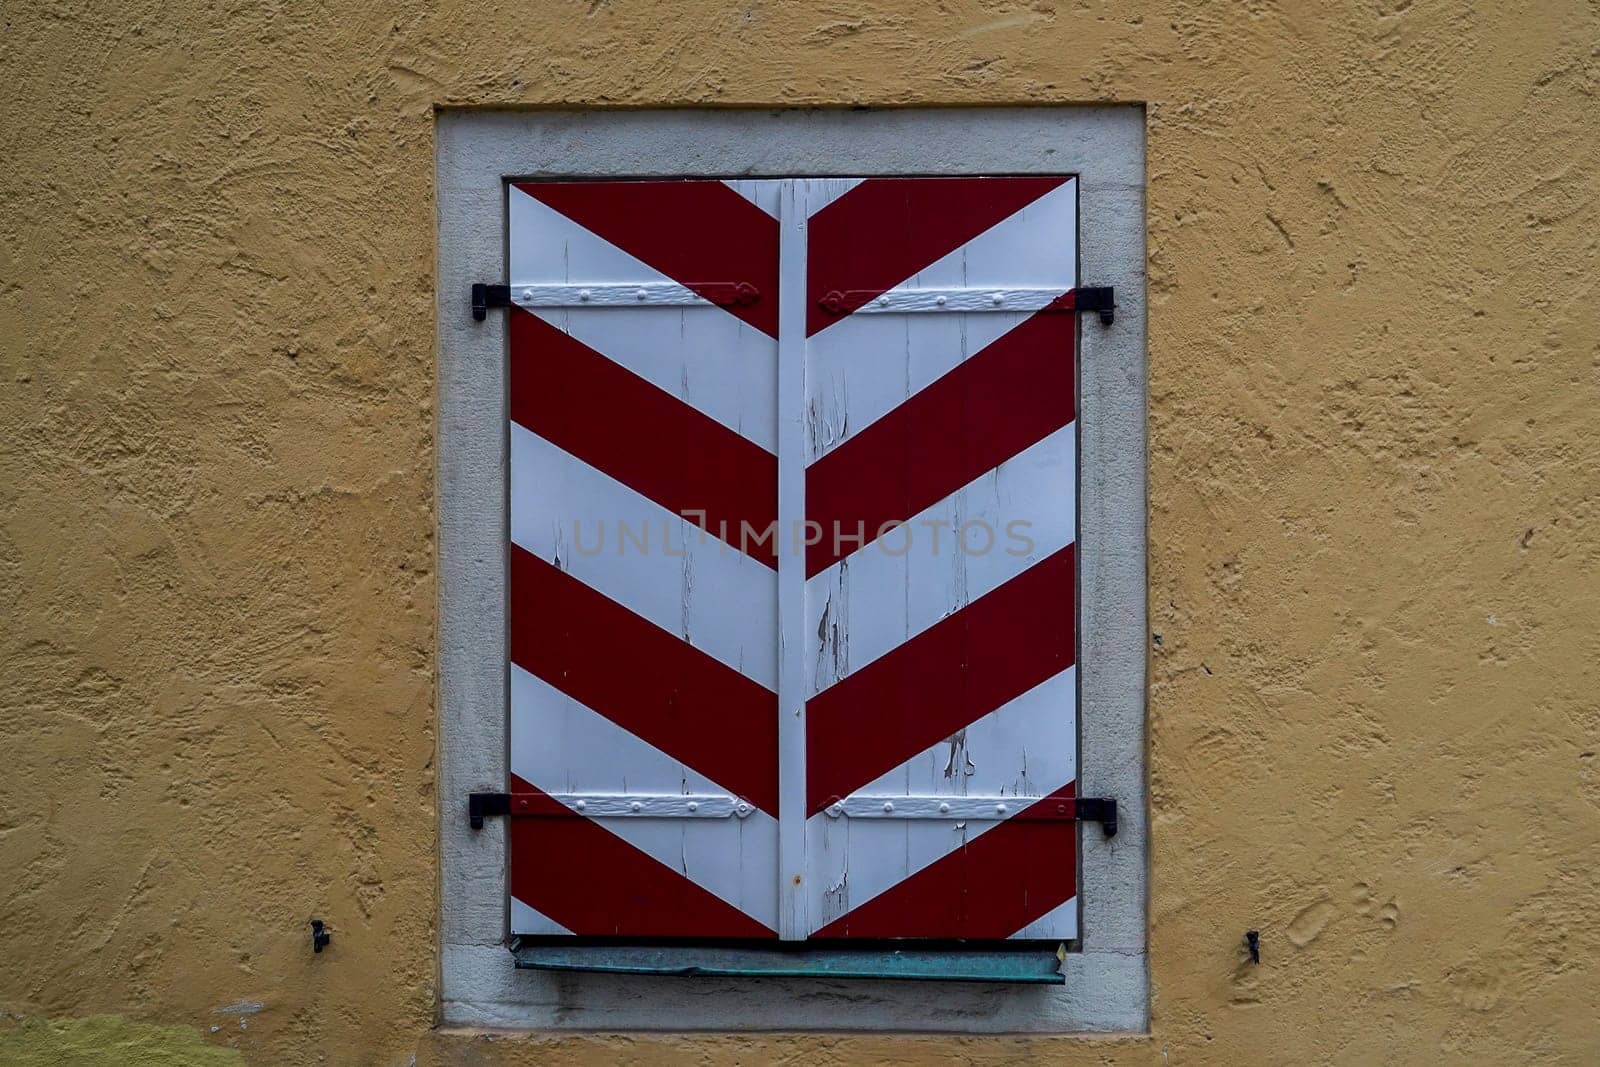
938,695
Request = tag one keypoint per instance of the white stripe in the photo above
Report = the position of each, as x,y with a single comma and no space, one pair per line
684,580
563,747
528,920
1027,748
874,600
1060,921
864,366
764,193
703,355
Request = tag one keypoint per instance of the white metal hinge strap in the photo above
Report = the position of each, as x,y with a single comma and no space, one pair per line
634,294
903,301
951,807
653,805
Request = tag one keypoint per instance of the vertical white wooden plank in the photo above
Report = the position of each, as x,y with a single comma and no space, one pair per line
793,915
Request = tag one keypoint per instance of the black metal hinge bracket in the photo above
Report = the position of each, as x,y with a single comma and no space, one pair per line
1100,298
486,296
483,805
1102,810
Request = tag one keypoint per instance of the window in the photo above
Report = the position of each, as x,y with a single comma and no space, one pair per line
735,405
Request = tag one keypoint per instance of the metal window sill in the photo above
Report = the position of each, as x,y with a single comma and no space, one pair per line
1024,964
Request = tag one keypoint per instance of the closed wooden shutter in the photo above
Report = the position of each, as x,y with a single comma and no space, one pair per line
793,512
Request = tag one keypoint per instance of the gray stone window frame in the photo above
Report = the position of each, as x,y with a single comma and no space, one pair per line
477,151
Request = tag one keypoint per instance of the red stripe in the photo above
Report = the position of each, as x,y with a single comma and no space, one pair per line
701,234
592,882
1010,395
991,887
613,420
645,679
885,230
947,677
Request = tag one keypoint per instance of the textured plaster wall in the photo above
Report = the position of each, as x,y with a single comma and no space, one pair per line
1374,459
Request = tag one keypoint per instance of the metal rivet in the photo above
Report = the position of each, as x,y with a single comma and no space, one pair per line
939,300
641,295
636,806
694,805
583,294
580,805
836,810
944,809
527,294
883,301
998,299
999,809
888,805
742,810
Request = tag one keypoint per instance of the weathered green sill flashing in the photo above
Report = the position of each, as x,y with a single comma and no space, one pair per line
1035,964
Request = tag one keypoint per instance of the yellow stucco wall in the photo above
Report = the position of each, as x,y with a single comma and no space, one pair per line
1375,460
